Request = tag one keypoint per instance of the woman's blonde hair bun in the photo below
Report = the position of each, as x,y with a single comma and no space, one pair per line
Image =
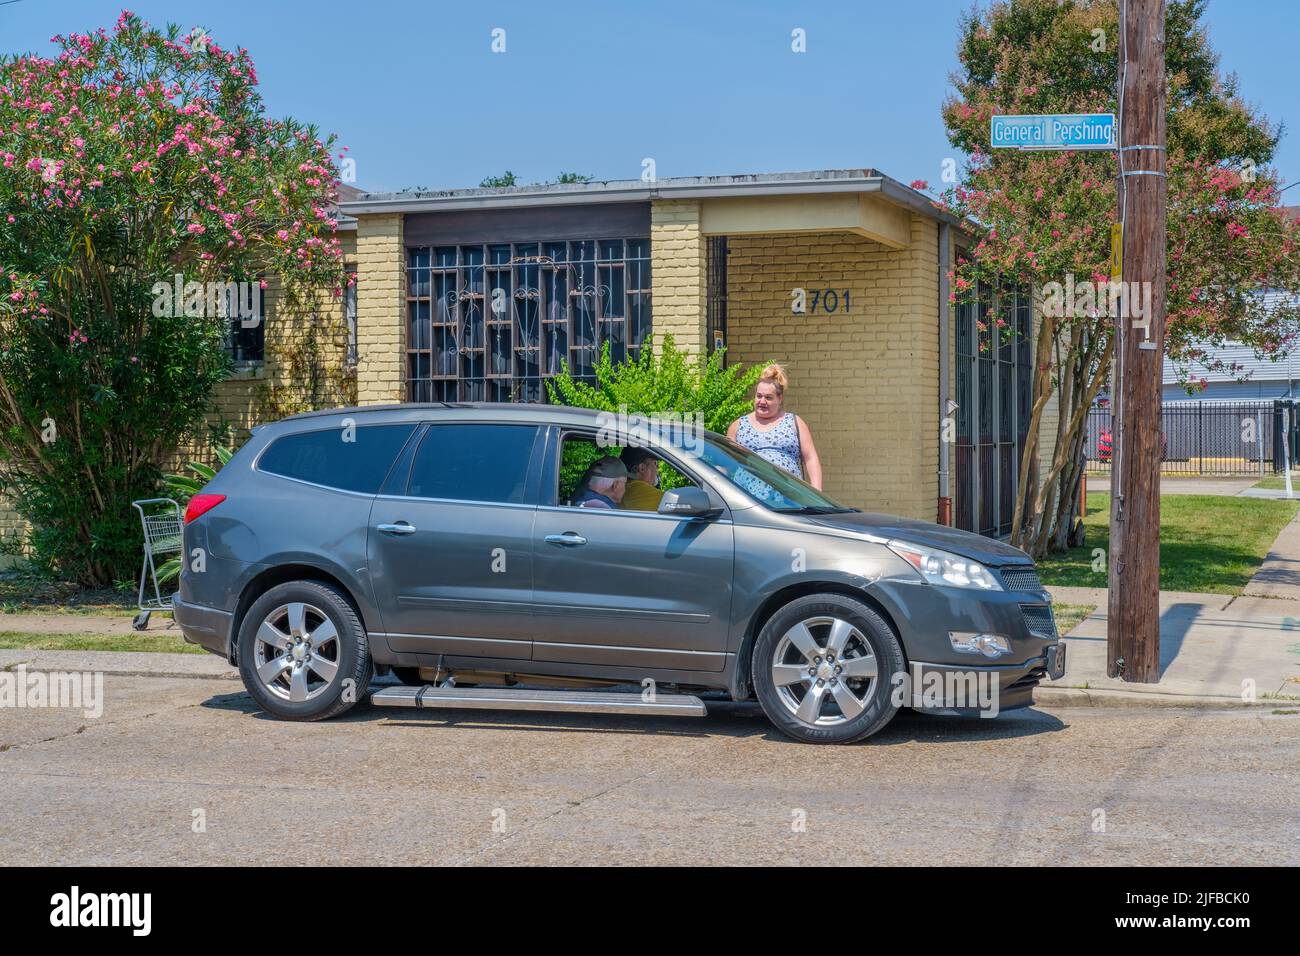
776,375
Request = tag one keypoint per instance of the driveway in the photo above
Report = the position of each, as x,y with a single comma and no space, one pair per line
185,770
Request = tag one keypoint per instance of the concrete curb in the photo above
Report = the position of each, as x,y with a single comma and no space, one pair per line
1096,697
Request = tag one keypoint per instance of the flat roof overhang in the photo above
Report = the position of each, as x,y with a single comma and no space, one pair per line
825,183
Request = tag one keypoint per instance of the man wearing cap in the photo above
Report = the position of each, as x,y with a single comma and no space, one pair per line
642,493
603,485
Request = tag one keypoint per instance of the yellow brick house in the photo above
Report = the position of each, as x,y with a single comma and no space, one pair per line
841,275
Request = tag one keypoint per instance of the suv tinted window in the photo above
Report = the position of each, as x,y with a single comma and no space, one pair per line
326,457
473,462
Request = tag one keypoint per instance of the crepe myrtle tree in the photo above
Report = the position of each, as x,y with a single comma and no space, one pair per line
133,156
1044,217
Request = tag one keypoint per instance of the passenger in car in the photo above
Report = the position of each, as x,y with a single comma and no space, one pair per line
603,485
643,492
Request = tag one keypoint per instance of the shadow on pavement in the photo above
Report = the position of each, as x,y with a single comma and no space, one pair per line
1175,622
725,719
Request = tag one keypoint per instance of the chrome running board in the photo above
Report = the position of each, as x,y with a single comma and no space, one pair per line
514,698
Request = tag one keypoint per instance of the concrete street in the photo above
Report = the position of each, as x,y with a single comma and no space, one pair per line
383,786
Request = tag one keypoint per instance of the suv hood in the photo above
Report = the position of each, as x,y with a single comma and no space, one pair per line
987,551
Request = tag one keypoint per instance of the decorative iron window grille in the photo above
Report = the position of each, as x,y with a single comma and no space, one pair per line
994,378
350,316
717,293
491,322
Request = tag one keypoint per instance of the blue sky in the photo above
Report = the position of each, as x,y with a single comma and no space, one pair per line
416,93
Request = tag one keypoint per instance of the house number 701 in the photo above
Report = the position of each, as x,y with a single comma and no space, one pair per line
829,300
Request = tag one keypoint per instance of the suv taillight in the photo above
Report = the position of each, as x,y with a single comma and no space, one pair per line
201,504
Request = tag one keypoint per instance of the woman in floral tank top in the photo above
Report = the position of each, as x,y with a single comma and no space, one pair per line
779,436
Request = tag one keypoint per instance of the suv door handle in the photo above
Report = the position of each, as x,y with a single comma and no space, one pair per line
401,527
569,539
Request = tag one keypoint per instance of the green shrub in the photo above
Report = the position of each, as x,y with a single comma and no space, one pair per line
671,381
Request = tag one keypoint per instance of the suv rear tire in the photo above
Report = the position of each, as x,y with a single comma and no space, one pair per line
822,668
303,652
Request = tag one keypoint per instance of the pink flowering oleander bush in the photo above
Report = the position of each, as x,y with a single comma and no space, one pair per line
129,157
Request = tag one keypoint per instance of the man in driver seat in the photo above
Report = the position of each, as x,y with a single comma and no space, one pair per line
603,484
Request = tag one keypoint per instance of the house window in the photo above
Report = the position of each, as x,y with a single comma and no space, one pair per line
491,322
247,337
350,314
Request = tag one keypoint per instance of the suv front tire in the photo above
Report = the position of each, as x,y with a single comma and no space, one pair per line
823,669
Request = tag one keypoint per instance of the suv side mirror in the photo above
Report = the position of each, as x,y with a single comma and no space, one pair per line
689,502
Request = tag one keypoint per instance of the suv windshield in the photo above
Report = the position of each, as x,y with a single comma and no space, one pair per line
763,481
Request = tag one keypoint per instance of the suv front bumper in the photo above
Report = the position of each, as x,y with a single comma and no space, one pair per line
974,689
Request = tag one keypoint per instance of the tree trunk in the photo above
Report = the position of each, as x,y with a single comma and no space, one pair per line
1022,515
1069,437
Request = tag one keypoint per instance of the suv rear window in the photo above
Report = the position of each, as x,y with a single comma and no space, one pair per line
353,459
473,463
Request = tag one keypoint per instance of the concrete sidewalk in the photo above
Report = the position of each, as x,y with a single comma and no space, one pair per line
1207,651
1273,494
1279,576
80,623
1189,485
1213,647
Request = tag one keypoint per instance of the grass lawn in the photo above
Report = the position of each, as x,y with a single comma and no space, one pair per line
1207,542
1068,616
141,641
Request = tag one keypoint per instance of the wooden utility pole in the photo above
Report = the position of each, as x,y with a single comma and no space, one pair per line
1133,628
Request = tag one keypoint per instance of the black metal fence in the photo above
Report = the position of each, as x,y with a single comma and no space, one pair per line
1207,437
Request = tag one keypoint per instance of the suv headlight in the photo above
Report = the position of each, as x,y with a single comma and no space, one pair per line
940,567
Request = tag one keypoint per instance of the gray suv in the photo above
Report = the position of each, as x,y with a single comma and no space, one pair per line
441,544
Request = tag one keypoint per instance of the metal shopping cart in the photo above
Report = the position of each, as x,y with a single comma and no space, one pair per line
161,520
